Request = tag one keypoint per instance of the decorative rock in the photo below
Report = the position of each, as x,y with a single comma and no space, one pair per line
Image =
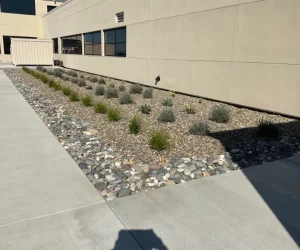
83,165
118,164
192,167
206,174
187,171
123,192
182,166
145,168
100,186
152,182
170,183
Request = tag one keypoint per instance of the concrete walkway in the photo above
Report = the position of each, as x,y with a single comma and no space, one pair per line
46,202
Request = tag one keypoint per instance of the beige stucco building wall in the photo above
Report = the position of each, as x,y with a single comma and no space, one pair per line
239,51
23,25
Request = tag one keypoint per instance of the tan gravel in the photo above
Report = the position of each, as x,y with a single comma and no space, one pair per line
136,147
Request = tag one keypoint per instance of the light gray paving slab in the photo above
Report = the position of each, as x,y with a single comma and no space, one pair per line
213,213
90,227
38,177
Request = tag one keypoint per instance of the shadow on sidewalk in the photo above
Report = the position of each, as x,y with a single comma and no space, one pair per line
278,183
149,239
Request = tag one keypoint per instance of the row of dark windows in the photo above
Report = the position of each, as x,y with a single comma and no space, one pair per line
115,43
7,42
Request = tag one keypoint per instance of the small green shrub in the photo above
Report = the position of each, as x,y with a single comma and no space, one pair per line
87,101
145,109
72,73
41,68
167,102
220,114
148,93
190,109
199,128
74,97
51,83
74,80
167,115
111,92
57,86
136,89
43,78
81,83
122,88
58,73
111,85
51,72
125,98
172,93
99,90
100,108
66,78
93,79
66,91
268,129
135,125
113,114
159,140
101,81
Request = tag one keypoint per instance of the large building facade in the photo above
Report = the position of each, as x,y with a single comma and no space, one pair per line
245,52
22,18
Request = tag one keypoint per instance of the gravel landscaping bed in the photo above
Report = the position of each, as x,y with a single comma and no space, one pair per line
120,164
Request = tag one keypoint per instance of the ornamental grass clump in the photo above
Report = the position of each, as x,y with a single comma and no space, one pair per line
72,73
268,129
167,115
101,81
99,90
159,140
168,102
113,114
135,125
220,114
125,98
199,128
87,100
93,79
190,109
66,91
148,93
100,108
74,97
136,89
111,92
81,82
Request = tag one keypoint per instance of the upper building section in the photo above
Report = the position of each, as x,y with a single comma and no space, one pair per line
28,7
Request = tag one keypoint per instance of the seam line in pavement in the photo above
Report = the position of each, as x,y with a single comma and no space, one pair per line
46,215
124,225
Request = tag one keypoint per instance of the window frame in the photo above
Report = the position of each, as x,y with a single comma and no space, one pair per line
92,43
52,7
115,43
55,46
74,45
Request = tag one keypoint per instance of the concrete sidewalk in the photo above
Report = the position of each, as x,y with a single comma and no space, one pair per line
46,202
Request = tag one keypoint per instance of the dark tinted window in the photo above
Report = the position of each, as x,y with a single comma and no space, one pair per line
49,8
7,42
115,42
72,45
92,43
55,45
26,7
